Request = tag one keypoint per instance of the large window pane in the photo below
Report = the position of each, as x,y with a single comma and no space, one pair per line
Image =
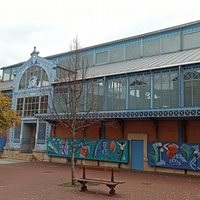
30,106
139,92
191,88
116,96
43,104
94,95
166,90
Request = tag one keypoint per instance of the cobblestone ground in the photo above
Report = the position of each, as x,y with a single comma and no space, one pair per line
44,181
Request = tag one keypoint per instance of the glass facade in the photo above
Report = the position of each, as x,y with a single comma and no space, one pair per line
94,95
59,98
29,106
116,93
148,90
192,87
34,76
166,89
82,95
139,91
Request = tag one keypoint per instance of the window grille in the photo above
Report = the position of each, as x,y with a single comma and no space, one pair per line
41,133
116,95
139,92
29,106
191,88
17,131
94,95
39,73
166,90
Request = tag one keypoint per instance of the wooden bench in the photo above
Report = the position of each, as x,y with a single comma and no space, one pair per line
110,183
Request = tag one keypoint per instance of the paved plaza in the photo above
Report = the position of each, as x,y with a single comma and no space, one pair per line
45,181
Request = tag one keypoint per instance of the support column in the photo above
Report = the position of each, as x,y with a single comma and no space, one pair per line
181,130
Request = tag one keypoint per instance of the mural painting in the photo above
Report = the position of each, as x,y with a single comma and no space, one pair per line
174,155
92,149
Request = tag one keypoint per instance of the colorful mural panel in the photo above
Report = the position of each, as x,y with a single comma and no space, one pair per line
92,149
174,155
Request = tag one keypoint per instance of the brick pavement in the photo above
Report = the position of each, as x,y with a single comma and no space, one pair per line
42,181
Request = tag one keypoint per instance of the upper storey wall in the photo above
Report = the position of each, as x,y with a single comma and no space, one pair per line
159,42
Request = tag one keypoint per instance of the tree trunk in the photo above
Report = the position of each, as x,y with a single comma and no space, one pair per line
72,160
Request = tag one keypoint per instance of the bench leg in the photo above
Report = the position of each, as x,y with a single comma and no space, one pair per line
83,186
112,190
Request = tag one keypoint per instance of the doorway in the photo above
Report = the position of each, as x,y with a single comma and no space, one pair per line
138,151
28,138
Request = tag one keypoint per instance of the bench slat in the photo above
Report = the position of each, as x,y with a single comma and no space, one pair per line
109,169
92,179
99,181
103,180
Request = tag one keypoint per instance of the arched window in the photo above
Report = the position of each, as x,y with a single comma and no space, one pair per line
34,77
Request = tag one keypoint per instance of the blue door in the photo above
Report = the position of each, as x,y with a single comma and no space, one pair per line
137,154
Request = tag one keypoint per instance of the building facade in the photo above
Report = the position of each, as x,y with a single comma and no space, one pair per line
149,89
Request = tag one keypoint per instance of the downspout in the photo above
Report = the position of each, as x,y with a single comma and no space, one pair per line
103,130
181,92
155,122
121,123
105,94
182,131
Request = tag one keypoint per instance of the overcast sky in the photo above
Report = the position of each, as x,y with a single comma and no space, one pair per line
51,25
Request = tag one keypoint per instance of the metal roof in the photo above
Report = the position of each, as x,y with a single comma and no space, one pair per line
137,65
147,63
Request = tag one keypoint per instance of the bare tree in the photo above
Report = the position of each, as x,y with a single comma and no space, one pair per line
75,96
